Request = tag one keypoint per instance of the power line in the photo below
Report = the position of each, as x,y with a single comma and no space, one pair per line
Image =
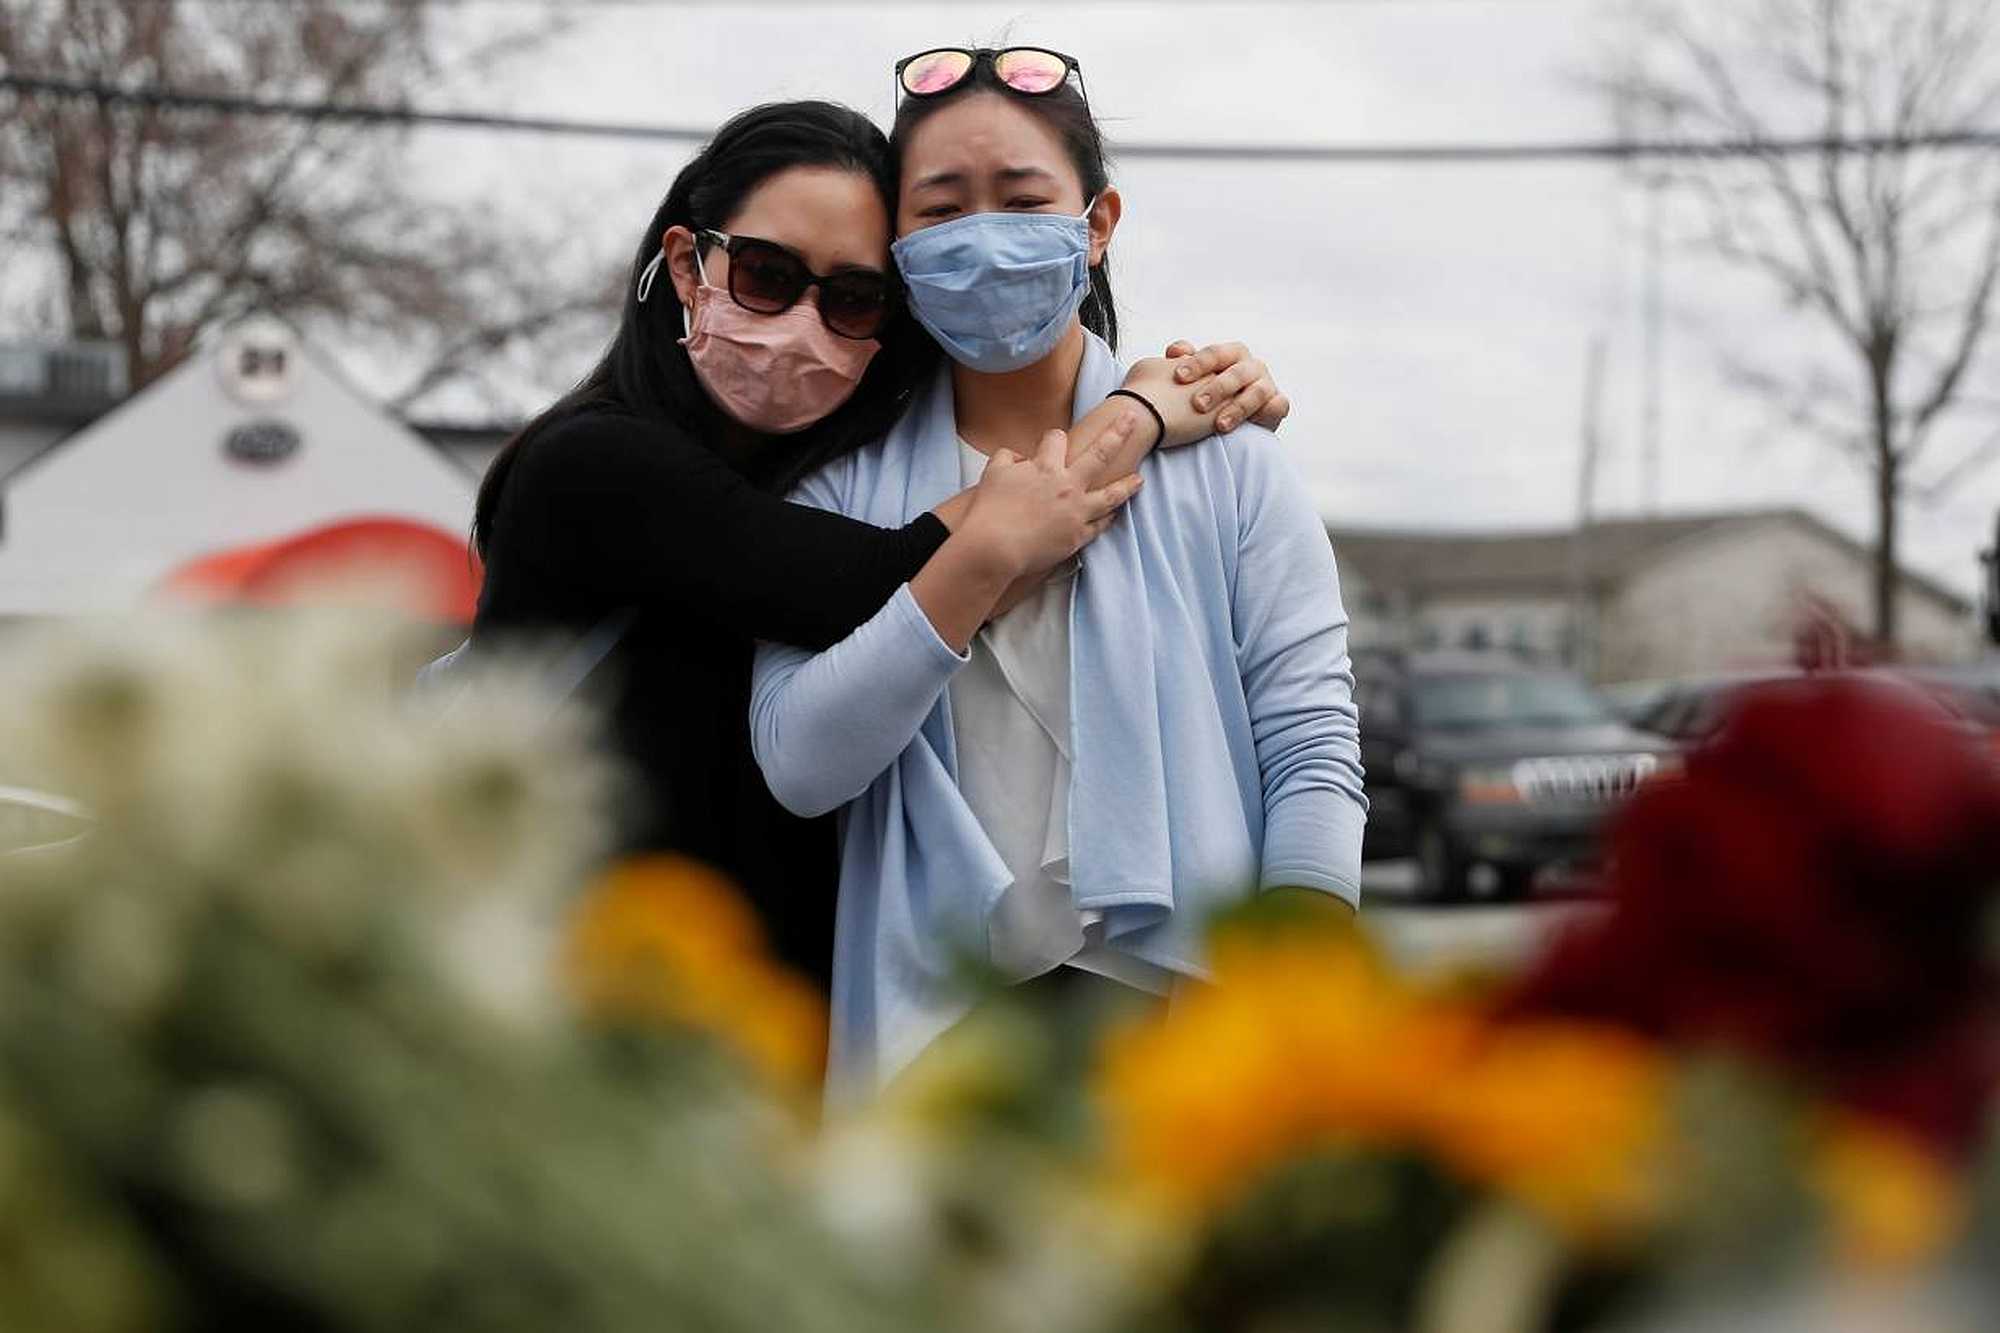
1388,154
234,104
586,5
573,6
1571,151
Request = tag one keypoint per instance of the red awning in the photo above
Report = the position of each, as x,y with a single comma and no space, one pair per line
392,563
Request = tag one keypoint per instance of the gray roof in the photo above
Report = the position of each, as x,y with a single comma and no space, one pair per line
1537,561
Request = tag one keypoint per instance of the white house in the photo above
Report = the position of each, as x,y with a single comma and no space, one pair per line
1635,598
253,440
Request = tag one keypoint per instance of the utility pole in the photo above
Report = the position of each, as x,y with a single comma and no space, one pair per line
1582,617
1990,557
1654,315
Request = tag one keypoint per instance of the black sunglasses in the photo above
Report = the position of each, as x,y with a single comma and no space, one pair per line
767,278
1032,71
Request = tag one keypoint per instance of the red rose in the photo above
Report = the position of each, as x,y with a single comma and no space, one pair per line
1813,891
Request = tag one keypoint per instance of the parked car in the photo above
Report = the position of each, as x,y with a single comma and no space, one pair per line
1970,691
1689,711
1488,771
1634,699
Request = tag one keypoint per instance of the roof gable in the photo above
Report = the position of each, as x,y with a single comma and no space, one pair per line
94,520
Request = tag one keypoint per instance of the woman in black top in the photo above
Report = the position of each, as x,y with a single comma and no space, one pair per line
636,495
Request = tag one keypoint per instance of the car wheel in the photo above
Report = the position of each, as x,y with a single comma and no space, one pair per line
1441,865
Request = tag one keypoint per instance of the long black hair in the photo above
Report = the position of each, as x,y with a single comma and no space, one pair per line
645,371
1063,110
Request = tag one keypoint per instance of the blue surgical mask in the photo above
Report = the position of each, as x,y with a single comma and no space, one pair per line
998,290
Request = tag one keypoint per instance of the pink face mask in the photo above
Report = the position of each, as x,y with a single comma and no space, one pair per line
774,373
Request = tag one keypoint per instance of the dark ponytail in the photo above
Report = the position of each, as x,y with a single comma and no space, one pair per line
1065,111
645,371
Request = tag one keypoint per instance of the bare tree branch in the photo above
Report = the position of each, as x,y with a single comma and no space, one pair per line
1805,407
163,224
459,358
1897,258
1975,459
1976,318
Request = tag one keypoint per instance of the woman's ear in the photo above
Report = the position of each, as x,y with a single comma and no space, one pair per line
1104,215
679,243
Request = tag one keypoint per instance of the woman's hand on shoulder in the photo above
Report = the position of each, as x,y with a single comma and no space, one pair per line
1031,514
1208,391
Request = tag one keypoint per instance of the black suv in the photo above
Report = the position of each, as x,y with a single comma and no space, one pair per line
1488,770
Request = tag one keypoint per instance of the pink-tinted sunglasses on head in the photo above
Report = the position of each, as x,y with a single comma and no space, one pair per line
1029,70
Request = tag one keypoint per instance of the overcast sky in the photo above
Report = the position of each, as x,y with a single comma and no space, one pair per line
1431,322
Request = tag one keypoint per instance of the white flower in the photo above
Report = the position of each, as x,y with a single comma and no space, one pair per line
134,720
499,952
871,1185
506,791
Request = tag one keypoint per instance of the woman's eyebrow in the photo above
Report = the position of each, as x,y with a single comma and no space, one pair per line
955,176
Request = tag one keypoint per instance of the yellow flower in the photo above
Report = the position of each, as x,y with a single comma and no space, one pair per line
1304,1043
1894,1203
1308,1043
1570,1118
667,940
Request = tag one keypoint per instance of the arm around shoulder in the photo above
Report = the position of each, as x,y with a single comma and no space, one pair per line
668,522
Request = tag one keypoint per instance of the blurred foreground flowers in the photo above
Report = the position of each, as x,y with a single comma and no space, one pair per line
281,1039
1339,1055
333,1017
667,941
1766,1074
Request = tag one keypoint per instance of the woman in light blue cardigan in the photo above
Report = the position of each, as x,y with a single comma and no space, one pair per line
1120,752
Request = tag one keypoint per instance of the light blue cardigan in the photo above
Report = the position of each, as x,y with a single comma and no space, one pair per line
1214,729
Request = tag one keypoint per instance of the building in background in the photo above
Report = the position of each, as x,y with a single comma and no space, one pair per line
1635,599
253,456
50,390
252,445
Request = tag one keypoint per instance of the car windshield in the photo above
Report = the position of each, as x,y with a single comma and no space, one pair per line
1505,699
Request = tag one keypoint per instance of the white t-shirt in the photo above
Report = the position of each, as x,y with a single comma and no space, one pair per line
1010,708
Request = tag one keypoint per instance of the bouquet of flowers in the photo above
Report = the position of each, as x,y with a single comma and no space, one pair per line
284,1039
333,1017
1759,1087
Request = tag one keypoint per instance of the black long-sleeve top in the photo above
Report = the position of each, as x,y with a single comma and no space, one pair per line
604,512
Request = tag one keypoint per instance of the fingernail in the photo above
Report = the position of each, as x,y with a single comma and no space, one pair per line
1201,401
1225,422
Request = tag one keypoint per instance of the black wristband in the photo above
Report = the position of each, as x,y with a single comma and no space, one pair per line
1146,403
